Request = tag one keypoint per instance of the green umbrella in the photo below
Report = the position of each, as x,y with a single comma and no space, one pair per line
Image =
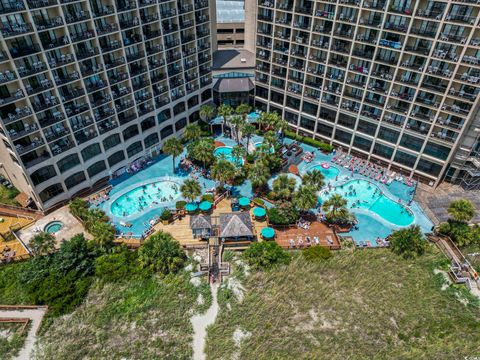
244,201
205,205
268,233
259,212
191,207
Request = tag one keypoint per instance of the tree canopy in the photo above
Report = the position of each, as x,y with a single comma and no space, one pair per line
408,242
462,210
162,254
265,255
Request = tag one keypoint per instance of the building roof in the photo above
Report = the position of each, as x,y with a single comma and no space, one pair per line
233,85
233,225
228,59
200,222
230,11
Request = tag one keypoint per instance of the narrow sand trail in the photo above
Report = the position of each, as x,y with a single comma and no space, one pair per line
200,324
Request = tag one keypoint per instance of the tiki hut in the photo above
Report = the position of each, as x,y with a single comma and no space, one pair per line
201,226
236,226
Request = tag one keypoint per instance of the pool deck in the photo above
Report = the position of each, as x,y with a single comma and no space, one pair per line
318,229
71,227
181,231
370,225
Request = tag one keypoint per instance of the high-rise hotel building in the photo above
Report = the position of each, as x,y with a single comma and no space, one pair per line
89,86
394,81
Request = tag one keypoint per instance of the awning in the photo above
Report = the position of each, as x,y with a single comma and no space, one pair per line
216,121
233,85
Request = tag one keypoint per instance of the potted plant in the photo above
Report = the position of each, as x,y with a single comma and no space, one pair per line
166,217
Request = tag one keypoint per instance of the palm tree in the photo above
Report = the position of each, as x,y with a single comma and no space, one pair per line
284,186
238,122
224,111
202,150
191,189
173,147
314,179
264,119
248,130
207,112
243,110
408,242
161,253
239,152
223,171
259,174
42,244
462,210
305,198
192,132
103,235
333,204
269,139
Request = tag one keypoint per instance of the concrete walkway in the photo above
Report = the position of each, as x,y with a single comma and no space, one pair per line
200,324
35,315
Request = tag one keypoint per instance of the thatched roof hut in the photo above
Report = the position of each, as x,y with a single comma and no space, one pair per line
236,225
201,225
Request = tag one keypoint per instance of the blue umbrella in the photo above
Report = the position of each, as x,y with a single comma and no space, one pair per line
259,212
205,205
268,233
191,207
244,201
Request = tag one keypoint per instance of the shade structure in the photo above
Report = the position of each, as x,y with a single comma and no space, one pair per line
244,201
191,207
259,212
205,205
268,233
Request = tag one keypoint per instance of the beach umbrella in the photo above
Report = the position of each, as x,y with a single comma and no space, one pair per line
191,207
259,212
244,201
205,205
268,233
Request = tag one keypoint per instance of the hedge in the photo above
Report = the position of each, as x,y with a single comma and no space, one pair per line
309,141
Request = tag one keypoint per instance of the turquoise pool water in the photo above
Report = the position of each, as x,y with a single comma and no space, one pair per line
226,152
330,174
363,195
53,227
145,196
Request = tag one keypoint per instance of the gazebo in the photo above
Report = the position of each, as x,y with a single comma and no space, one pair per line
235,226
201,226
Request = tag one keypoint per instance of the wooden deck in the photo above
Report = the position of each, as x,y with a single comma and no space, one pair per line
317,229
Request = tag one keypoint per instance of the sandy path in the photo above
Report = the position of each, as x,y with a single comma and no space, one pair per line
35,316
200,324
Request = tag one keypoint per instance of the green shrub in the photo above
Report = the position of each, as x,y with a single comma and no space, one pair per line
309,141
284,214
208,197
250,158
317,253
461,233
166,215
265,255
180,205
118,266
258,202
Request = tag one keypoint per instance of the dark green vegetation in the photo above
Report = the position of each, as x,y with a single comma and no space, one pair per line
408,242
317,253
309,141
11,339
457,227
355,305
135,304
266,255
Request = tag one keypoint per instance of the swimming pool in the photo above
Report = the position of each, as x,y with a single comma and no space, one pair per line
145,196
53,227
364,196
226,152
330,174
